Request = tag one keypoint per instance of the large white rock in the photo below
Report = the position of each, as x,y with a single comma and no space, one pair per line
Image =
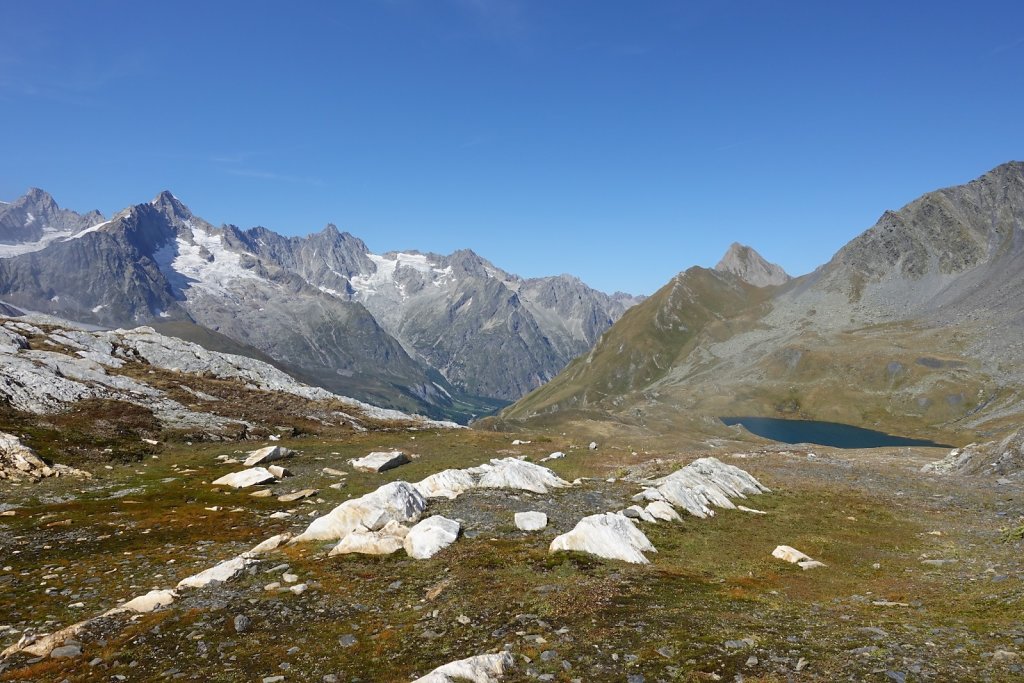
704,484
478,669
380,461
512,473
398,501
383,542
268,454
245,478
224,571
446,484
610,535
430,536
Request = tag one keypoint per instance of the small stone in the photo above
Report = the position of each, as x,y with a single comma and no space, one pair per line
463,619
347,640
242,623
801,664
290,578
634,678
299,588
272,586
751,660
593,447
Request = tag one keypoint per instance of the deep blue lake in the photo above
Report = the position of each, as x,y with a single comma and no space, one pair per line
823,433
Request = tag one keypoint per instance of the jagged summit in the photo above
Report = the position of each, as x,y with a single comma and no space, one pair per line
749,266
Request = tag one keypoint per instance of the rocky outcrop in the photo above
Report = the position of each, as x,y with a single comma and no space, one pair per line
478,669
994,458
397,501
499,473
19,462
704,484
93,365
751,267
609,535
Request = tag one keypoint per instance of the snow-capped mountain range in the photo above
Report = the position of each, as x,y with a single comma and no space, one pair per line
449,336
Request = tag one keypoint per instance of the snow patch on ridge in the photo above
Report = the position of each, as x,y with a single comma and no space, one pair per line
203,263
386,268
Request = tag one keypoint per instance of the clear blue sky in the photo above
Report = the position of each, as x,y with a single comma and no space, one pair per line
618,141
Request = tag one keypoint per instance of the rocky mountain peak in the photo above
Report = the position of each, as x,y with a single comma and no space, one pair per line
749,266
171,206
37,198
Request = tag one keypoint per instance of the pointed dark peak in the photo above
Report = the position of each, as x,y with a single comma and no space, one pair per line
749,266
330,229
171,206
37,198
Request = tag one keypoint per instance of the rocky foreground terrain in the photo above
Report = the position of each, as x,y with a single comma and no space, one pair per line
149,570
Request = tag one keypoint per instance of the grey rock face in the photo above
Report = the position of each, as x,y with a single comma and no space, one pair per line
35,217
751,267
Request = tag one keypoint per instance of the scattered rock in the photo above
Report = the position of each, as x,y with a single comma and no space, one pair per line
380,461
263,456
298,495
242,623
245,478
66,651
794,556
18,461
531,521
279,472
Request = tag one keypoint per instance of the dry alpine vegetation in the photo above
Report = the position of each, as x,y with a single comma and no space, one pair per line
923,575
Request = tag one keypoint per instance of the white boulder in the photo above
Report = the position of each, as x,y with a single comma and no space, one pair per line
659,509
430,536
396,501
146,603
478,669
531,521
557,455
380,461
245,478
383,542
268,454
794,556
608,535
